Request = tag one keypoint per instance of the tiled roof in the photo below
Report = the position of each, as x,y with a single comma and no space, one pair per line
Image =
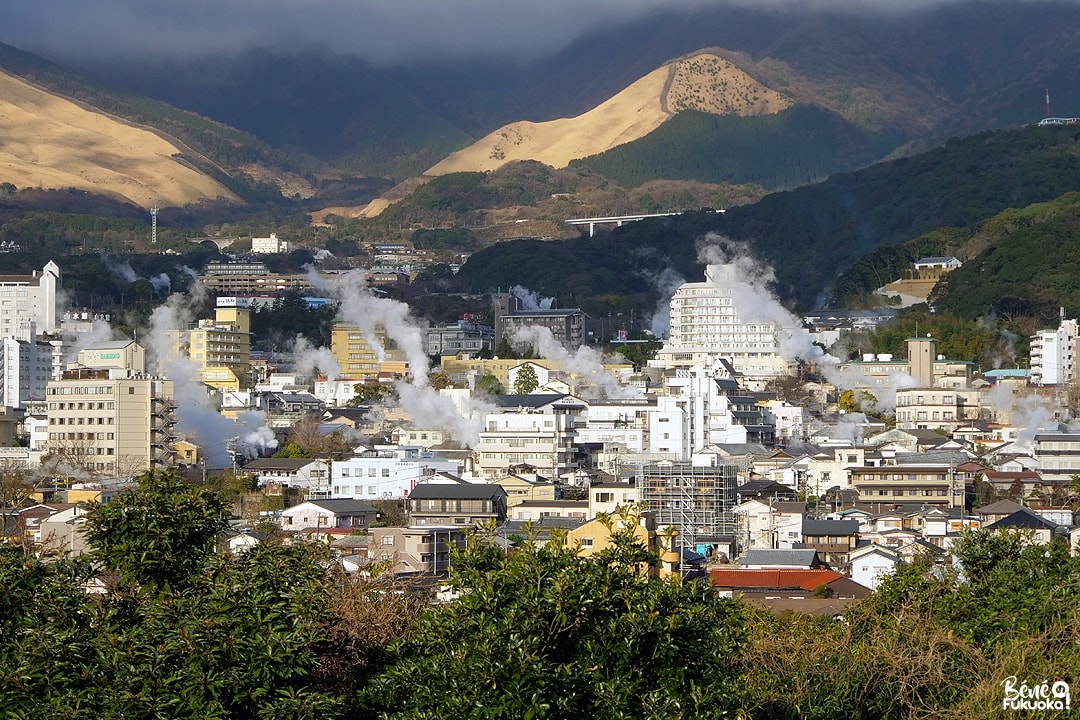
780,579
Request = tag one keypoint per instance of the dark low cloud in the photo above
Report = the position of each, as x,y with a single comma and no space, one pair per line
384,31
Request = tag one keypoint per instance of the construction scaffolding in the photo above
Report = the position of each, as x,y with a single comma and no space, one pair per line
697,500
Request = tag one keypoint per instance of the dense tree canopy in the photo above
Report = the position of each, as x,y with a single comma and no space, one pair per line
174,628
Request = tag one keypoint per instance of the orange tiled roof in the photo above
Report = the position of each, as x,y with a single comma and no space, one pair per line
773,578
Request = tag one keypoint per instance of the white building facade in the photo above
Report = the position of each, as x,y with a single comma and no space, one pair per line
706,323
1053,353
27,300
385,474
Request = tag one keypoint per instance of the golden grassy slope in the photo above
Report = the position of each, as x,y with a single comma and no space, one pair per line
702,82
52,143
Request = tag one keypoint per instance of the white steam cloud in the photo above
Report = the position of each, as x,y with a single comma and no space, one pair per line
585,365
666,282
748,282
308,359
371,315
196,410
531,300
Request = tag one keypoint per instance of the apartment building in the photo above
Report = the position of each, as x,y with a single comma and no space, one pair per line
464,338
220,347
536,430
26,366
109,421
365,355
911,485
1053,353
935,408
707,323
566,325
27,300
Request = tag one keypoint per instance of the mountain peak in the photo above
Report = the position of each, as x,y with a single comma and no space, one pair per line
700,81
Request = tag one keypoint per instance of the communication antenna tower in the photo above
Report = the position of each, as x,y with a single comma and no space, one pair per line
153,225
1047,102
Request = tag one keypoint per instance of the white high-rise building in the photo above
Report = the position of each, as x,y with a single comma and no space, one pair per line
707,323
1053,352
27,300
26,366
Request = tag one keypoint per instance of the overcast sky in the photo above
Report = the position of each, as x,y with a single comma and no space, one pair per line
380,30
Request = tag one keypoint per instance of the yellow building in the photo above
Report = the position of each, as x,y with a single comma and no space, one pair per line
356,357
595,536
221,347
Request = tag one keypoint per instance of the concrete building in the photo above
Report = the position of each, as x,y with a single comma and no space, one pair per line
462,338
567,326
270,245
390,474
699,407
707,323
537,430
363,355
1053,353
220,347
29,299
26,366
109,421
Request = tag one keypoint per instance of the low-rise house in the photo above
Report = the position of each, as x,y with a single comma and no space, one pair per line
895,538
833,539
276,474
459,505
608,497
236,543
1020,483
870,564
596,535
520,489
940,527
1037,528
415,550
31,518
778,584
997,511
314,517
63,532
540,509
769,524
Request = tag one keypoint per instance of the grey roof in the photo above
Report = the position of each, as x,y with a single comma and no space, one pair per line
789,507
344,506
467,491
773,556
1001,507
110,345
816,528
1023,518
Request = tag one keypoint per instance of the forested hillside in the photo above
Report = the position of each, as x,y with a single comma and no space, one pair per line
1022,263
797,146
810,234
177,628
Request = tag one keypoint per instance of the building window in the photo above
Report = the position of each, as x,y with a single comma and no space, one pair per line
586,542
